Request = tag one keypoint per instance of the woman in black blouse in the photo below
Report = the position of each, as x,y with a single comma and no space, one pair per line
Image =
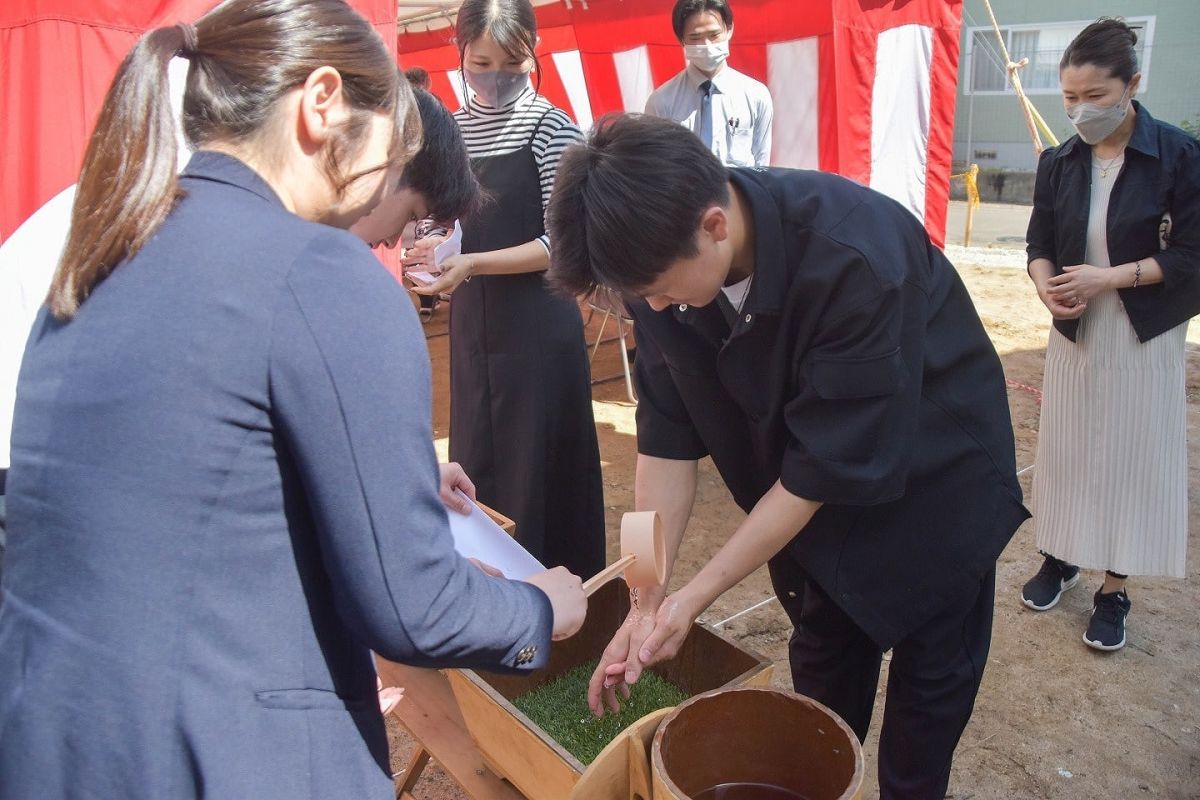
1114,249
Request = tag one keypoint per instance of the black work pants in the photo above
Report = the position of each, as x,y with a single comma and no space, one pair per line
932,681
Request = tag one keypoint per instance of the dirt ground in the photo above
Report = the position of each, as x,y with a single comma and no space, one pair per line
1054,719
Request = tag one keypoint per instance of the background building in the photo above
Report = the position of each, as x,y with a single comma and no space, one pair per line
989,128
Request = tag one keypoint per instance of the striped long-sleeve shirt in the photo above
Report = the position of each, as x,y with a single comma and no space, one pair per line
499,131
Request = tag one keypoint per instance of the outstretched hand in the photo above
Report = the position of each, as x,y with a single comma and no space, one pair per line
455,270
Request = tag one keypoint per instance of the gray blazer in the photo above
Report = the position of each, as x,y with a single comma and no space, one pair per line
223,495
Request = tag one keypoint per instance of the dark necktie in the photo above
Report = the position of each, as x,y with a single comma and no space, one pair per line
706,115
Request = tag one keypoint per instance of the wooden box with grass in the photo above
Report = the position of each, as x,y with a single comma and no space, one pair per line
521,751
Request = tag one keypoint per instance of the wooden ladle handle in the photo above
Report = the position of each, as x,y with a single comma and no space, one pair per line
607,574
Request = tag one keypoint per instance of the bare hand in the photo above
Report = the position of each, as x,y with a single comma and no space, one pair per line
672,623
1079,283
486,568
619,666
1058,307
453,477
455,270
420,255
566,598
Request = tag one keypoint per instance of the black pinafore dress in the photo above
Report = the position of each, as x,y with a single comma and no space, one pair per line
521,421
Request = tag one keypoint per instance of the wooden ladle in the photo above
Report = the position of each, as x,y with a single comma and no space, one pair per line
643,554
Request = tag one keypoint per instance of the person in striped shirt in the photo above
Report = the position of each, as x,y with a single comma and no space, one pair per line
521,420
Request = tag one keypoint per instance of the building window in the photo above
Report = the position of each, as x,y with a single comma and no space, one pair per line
1043,44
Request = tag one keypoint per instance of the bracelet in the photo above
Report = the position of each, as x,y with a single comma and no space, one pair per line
1137,274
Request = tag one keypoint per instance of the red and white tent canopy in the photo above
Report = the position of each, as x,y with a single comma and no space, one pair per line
865,88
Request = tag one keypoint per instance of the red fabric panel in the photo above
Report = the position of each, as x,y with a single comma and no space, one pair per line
551,85
944,95
59,59
750,59
442,58
827,105
665,62
857,24
766,21
555,40
55,78
611,27
440,86
604,90
854,74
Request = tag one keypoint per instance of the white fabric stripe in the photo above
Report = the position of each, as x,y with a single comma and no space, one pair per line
633,75
793,75
900,107
570,70
456,83
1110,489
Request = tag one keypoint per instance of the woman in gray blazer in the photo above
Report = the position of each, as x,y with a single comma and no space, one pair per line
217,503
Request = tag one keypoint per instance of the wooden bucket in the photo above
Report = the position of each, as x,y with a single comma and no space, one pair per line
787,745
520,751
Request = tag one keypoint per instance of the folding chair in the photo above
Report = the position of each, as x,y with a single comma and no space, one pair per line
609,302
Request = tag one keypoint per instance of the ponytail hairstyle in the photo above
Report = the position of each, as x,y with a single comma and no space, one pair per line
511,23
245,55
1109,43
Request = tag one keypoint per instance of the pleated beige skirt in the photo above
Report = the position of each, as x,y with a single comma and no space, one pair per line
1110,481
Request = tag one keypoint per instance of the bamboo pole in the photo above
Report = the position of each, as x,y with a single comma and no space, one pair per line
972,202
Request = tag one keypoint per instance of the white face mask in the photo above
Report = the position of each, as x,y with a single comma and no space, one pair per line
707,57
1095,123
497,89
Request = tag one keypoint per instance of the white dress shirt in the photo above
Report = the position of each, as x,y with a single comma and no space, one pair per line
741,110
28,260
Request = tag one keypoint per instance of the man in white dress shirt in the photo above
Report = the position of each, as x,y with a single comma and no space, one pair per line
729,111
27,262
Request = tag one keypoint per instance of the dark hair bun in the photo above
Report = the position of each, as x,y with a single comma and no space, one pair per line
1108,42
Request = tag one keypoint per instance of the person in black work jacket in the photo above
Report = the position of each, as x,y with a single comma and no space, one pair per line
803,331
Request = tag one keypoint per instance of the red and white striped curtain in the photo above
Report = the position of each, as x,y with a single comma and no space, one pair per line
57,59
865,88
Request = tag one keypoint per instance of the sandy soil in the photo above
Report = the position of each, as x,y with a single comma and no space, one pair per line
1054,719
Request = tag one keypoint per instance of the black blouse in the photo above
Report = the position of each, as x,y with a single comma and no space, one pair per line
1154,211
858,374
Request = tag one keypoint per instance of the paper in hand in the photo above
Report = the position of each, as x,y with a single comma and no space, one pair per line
420,277
451,247
477,536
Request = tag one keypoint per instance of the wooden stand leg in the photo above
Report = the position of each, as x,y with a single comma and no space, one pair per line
407,780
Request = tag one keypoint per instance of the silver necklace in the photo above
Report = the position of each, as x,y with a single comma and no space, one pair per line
1112,162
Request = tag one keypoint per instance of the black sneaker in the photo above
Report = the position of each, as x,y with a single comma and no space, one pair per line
1042,591
1106,630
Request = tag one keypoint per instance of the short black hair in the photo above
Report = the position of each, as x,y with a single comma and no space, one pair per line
418,78
441,169
685,8
627,204
1108,42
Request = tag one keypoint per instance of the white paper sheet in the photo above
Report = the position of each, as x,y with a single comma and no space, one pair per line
420,277
477,536
451,247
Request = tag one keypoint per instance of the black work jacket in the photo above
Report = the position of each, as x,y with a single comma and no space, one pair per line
1154,210
858,374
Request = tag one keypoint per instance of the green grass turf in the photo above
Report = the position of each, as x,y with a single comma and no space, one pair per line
560,709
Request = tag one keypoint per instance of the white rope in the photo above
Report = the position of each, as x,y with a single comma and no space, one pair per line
759,604
1027,469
